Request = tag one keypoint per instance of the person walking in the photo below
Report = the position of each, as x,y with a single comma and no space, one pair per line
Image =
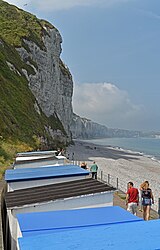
132,198
94,169
147,199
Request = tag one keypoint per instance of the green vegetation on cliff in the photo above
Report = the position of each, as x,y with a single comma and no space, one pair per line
16,24
22,128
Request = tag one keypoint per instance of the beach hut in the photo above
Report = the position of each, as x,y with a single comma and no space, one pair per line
137,235
36,153
39,161
26,159
62,196
48,222
33,224
32,177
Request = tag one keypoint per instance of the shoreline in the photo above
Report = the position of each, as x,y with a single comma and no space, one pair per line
125,149
126,165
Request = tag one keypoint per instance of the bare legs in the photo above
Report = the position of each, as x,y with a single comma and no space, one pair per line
146,212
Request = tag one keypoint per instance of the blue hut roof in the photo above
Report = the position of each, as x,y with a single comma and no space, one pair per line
44,222
139,235
13,175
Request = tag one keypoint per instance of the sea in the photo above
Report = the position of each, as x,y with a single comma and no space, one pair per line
149,147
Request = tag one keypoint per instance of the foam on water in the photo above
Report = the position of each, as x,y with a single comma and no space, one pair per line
149,147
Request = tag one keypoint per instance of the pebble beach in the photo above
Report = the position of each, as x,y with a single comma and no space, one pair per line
119,166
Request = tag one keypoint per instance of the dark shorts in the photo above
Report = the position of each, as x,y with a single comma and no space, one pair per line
146,202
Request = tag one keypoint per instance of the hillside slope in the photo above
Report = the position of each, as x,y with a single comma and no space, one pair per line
27,108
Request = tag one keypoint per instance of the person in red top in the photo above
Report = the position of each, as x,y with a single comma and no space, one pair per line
132,198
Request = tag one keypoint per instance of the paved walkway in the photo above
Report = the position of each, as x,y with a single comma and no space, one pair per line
119,200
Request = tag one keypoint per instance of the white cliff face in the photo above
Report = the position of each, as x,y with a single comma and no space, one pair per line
52,83
85,128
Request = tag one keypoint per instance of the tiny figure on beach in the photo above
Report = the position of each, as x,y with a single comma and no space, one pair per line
84,165
94,169
73,156
147,199
68,156
61,152
58,151
132,198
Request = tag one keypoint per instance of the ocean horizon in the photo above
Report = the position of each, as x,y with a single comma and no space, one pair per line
149,147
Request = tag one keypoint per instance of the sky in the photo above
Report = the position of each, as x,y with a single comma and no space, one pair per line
112,48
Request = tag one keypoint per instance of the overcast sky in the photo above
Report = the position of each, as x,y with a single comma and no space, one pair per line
112,48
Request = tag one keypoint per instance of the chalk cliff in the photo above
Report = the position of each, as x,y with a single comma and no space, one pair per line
36,89
36,86
84,128
51,82
87,129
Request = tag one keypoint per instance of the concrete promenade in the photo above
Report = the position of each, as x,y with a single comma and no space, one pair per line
119,200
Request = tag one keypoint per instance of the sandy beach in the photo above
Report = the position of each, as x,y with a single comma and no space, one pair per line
116,163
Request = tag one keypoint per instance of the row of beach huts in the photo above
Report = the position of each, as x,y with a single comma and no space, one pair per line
49,203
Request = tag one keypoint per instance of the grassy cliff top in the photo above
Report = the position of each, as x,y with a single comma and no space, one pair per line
16,24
